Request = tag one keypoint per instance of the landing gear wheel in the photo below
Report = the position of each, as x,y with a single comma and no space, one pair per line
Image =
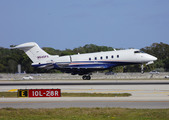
86,77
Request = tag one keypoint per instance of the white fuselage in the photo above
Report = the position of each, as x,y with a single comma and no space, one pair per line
100,59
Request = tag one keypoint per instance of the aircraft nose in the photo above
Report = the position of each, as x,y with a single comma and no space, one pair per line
153,58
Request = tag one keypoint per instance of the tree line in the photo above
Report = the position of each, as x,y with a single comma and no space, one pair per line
10,58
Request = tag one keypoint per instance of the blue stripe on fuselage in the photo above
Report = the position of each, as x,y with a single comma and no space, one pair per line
90,64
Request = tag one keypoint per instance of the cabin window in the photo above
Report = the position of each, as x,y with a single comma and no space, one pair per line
89,58
117,56
139,52
106,57
112,56
101,57
95,58
136,51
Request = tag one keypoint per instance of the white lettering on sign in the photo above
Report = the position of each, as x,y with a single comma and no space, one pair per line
56,93
40,93
48,93
44,93
36,93
52,93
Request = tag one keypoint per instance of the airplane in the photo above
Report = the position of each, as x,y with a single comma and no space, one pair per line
84,64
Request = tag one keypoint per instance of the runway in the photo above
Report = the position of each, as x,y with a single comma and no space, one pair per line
66,102
82,82
155,95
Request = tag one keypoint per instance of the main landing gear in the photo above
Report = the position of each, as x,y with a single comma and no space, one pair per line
86,77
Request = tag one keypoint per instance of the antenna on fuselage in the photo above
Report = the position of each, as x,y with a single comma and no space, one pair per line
114,49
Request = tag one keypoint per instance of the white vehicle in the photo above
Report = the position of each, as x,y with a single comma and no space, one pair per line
27,78
85,64
154,72
167,76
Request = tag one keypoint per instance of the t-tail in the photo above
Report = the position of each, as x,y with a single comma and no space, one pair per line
38,56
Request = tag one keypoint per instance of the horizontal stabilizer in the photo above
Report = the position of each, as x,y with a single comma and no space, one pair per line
24,46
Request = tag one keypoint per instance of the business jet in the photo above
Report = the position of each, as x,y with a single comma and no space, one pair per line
84,64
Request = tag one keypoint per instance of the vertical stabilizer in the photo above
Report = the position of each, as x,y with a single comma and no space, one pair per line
35,53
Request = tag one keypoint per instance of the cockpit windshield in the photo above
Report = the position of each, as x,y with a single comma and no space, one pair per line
139,51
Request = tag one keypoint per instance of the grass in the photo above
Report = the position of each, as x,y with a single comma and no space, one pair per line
95,95
83,114
14,94
8,94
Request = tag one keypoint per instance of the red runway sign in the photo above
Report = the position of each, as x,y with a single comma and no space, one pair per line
44,93
39,93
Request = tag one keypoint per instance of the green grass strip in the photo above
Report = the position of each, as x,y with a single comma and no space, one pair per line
84,114
14,94
95,94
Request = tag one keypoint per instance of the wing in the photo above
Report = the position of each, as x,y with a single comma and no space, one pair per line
81,68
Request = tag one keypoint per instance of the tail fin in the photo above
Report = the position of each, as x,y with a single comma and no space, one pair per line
35,53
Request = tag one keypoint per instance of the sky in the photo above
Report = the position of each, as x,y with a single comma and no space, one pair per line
68,24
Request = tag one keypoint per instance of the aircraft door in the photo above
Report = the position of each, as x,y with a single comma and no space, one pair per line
70,58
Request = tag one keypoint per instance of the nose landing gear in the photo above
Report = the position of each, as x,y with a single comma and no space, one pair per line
142,69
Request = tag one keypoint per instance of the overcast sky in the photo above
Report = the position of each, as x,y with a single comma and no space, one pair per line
62,24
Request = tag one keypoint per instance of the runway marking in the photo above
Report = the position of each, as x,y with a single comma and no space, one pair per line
166,94
118,91
13,90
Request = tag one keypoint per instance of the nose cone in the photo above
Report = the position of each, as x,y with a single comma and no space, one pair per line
153,58
145,58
